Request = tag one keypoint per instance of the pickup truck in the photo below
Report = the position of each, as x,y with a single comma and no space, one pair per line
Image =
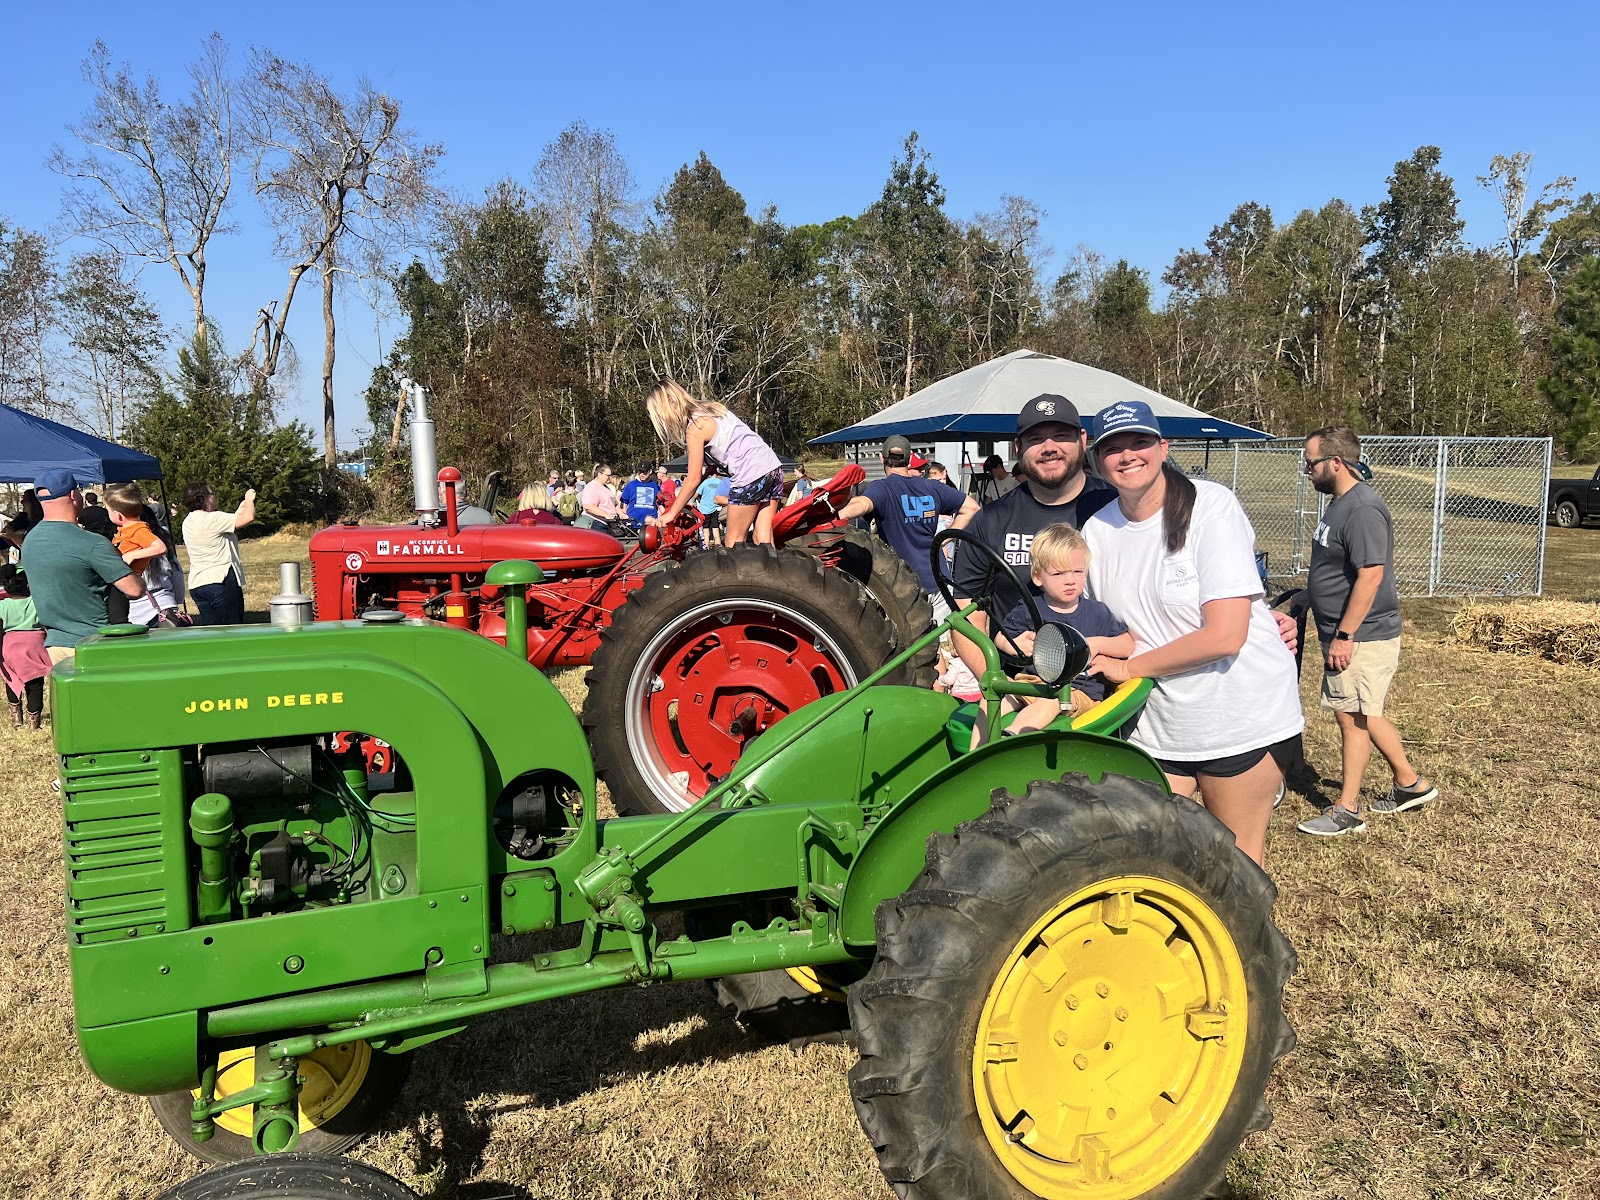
1572,501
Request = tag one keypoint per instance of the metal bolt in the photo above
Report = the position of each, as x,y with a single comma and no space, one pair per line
293,964
1122,1013
1061,1037
1081,1063
463,897
433,904
477,949
166,970
1102,990
510,889
549,885
1072,1002
434,956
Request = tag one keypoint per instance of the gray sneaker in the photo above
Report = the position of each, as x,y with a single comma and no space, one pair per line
1404,799
1331,822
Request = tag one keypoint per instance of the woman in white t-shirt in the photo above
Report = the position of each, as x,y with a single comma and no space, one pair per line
1174,558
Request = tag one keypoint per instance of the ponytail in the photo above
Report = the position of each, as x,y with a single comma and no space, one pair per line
1177,508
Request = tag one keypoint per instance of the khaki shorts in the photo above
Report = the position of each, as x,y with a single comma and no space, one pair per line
60,653
1362,686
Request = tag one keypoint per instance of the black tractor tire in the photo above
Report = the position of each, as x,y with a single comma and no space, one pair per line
872,563
990,925
383,1076
1567,514
292,1177
822,618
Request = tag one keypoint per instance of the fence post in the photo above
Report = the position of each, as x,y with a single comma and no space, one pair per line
1544,524
1441,483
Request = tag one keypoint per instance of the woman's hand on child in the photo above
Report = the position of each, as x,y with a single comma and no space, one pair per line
1114,670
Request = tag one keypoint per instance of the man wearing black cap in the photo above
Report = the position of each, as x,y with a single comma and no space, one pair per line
1051,449
69,568
907,508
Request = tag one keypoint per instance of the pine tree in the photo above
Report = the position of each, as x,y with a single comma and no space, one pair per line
1573,385
209,429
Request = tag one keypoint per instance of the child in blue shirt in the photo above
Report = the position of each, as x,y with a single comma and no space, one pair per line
641,494
1060,562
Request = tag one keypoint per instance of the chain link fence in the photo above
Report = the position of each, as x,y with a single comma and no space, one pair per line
1469,513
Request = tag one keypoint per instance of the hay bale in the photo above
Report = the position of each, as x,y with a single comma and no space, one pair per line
1564,631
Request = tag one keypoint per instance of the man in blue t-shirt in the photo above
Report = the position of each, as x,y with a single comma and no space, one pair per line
906,508
639,494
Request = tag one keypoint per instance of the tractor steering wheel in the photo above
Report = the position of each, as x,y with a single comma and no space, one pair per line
986,594
1059,653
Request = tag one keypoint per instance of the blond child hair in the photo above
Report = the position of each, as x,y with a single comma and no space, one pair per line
1053,547
125,498
672,410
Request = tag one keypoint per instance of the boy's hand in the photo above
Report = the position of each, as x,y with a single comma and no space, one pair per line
1024,642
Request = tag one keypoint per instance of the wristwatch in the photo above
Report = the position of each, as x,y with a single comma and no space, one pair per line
1341,636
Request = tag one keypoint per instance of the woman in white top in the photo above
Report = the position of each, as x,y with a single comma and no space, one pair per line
1174,558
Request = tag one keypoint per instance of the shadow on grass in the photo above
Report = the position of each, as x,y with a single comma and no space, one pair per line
542,1057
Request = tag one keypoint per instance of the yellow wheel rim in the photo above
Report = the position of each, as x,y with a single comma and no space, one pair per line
333,1076
816,983
1111,1040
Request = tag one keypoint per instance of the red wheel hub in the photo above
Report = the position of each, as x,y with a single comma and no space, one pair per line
724,679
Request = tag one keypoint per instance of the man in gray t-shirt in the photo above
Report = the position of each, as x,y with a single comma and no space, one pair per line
1356,532
1350,588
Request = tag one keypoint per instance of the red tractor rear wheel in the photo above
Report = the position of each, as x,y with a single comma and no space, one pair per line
709,654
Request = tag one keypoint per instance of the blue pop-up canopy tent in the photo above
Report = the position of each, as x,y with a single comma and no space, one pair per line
30,445
983,402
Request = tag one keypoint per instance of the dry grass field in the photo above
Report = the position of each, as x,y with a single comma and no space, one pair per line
1445,1001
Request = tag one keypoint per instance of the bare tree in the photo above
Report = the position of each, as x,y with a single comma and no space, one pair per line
341,183
586,190
153,178
1525,223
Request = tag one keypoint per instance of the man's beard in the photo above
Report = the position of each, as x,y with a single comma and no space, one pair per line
1054,472
1325,486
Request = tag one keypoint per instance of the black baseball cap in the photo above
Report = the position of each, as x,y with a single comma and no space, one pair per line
1046,408
898,448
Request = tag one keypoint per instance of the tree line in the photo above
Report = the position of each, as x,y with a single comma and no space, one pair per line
539,311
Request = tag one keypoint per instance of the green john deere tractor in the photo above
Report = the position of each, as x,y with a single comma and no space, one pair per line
1064,981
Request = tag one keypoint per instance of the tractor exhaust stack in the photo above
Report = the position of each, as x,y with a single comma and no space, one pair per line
424,456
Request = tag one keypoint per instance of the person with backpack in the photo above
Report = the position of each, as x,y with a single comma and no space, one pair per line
569,504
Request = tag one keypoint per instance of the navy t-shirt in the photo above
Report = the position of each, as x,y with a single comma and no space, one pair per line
639,495
907,512
1009,525
1091,618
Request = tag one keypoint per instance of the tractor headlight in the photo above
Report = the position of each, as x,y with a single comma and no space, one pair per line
1059,654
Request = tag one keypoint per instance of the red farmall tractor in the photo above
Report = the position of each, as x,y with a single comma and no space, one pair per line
694,653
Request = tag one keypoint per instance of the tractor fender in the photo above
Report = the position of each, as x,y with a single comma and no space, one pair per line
894,851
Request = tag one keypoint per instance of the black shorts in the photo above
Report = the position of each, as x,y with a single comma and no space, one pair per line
711,520
1286,753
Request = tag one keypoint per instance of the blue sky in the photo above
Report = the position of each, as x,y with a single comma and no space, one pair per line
1137,128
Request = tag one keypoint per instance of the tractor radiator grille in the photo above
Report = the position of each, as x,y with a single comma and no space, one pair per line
126,845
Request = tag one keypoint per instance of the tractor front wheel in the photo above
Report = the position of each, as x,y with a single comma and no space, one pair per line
1081,996
292,1177
709,654
347,1089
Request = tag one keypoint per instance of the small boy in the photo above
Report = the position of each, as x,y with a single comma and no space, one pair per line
135,541
1060,562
